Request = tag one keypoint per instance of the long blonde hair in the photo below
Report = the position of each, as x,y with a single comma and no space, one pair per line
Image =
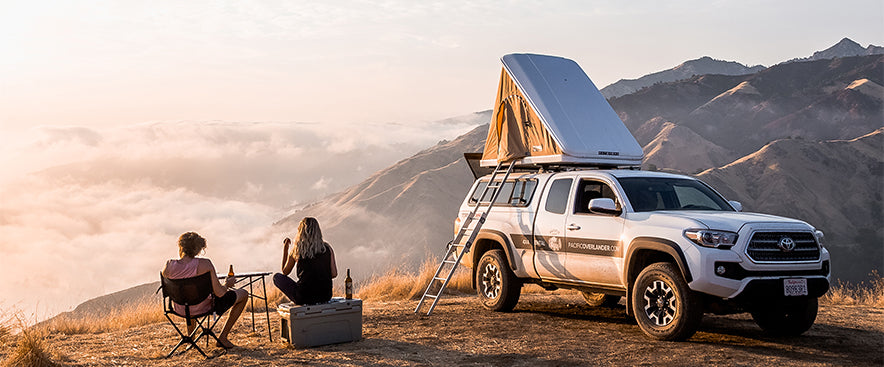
309,240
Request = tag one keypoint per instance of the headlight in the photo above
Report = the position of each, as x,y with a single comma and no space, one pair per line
819,237
712,238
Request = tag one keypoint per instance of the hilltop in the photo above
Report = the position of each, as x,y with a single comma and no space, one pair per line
544,330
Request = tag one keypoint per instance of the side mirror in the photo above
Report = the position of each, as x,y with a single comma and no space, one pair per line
736,204
603,206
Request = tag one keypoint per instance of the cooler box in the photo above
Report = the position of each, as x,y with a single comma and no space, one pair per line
338,321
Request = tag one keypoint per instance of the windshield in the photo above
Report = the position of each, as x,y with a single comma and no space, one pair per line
657,193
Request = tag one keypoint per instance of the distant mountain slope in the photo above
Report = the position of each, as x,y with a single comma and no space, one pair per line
702,66
834,185
114,302
709,66
679,148
851,111
742,113
401,215
844,48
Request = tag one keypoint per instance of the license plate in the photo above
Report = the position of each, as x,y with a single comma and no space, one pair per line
795,287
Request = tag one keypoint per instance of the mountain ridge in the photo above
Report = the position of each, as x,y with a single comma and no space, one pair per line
702,66
706,105
846,47
708,66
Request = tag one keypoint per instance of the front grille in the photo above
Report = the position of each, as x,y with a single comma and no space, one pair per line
764,246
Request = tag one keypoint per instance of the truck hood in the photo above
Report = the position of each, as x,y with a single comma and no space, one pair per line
725,221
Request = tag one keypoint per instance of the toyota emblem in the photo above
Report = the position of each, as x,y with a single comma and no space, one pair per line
786,244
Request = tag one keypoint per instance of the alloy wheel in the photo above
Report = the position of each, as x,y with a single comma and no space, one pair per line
491,281
660,303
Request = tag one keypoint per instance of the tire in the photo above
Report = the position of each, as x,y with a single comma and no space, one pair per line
600,299
787,317
663,305
497,286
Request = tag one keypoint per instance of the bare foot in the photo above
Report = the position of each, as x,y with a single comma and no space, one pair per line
224,343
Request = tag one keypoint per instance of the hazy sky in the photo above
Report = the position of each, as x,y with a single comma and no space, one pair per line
122,62
125,123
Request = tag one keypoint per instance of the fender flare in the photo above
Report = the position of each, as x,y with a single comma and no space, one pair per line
502,239
661,245
495,236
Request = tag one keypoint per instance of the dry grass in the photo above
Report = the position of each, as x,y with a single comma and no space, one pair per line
26,348
869,293
400,284
5,328
274,299
145,312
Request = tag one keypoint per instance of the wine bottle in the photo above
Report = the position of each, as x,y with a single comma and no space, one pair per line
348,286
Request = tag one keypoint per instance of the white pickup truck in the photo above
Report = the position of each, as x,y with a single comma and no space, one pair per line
670,244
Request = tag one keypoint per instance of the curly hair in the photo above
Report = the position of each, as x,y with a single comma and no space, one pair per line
190,244
309,241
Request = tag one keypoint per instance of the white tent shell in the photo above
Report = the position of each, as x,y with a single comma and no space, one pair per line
576,124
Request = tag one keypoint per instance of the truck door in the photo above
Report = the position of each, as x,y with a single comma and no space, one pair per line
549,227
592,242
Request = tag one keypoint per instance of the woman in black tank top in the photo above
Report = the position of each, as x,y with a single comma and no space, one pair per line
314,261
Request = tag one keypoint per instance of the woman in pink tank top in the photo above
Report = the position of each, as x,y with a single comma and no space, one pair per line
191,244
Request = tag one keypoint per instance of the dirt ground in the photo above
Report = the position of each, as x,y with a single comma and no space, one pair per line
544,330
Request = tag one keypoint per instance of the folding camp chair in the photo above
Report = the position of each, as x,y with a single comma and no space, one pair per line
189,292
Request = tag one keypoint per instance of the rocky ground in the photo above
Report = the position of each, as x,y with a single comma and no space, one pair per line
544,329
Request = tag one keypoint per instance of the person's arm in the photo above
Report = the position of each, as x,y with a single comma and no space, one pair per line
288,262
334,266
205,265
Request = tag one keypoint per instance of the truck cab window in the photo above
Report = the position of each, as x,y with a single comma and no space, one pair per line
512,193
557,200
590,189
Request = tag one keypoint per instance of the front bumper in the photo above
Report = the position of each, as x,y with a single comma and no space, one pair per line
731,274
766,289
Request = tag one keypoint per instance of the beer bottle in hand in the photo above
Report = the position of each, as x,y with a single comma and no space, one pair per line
230,272
348,286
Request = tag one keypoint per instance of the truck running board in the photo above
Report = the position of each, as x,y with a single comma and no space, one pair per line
462,242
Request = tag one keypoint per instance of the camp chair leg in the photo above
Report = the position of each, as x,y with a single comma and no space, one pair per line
207,330
189,338
191,343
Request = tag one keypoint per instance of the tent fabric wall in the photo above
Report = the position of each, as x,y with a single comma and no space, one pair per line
515,130
548,111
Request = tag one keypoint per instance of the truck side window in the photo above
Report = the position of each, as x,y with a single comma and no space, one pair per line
588,190
557,200
512,193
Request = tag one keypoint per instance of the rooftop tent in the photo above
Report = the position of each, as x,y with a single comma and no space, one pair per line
548,111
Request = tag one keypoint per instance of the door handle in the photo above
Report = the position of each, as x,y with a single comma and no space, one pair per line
573,227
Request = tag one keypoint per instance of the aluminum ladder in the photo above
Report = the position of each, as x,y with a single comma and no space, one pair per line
462,240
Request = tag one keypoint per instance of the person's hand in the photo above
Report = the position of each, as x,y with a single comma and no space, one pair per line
230,282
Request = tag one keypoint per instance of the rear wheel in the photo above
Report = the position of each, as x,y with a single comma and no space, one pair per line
664,307
498,287
600,299
789,317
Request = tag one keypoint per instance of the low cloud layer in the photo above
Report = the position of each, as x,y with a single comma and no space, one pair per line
88,211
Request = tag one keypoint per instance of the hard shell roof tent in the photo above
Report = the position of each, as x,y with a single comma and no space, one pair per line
548,112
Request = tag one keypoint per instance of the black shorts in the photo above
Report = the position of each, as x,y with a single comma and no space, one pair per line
225,302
